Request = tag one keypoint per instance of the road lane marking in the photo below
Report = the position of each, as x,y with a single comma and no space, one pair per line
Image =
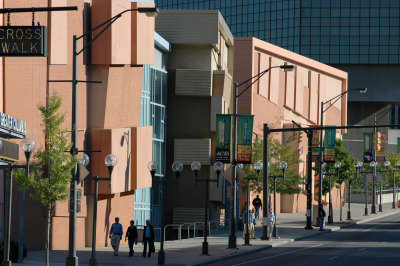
277,255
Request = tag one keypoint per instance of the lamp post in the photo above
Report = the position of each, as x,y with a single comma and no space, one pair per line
257,166
387,165
331,102
177,168
110,161
330,215
358,167
282,165
28,145
373,164
218,167
232,236
394,186
338,165
72,259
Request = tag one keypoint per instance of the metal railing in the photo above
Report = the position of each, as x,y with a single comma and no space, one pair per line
194,225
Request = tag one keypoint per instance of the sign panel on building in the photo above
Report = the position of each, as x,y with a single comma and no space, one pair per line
223,138
244,139
23,41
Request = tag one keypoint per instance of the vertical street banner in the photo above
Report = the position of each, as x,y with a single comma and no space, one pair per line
398,145
329,145
223,138
316,149
244,138
368,145
380,141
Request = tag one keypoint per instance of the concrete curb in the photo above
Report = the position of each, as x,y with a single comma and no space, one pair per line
332,229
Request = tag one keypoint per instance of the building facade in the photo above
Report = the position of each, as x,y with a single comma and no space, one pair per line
111,116
280,97
360,37
200,69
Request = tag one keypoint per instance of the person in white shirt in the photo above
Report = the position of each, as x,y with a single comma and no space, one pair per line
271,222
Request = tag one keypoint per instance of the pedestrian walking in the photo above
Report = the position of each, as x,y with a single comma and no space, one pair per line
250,223
257,205
116,233
271,222
148,239
131,234
321,216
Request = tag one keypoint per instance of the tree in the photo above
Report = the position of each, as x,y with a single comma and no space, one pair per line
52,167
277,152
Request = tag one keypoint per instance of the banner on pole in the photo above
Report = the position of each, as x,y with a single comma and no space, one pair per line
316,149
244,138
330,138
223,138
368,146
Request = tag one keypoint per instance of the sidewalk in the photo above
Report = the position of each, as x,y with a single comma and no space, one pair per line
188,251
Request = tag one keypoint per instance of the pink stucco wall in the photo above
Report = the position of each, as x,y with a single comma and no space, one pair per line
279,97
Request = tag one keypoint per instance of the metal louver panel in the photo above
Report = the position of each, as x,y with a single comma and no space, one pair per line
189,150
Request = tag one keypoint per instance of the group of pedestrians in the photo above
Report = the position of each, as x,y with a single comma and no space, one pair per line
255,214
116,233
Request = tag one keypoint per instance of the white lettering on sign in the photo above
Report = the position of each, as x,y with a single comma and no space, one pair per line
10,123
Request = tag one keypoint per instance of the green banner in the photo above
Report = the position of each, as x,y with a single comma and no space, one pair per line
223,138
245,137
245,130
368,142
398,145
330,138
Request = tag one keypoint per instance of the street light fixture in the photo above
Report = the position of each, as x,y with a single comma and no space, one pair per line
28,145
218,168
331,102
110,161
232,235
72,259
387,165
338,165
373,165
282,165
177,168
358,167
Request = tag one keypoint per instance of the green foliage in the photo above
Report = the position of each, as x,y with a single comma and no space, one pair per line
277,153
346,171
52,167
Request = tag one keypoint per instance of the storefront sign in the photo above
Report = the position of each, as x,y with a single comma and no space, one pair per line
9,123
223,141
245,137
23,41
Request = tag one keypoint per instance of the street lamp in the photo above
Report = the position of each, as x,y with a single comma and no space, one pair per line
373,165
177,168
232,236
28,145
387,165
338,165
331,102
72,259
218,168
394,186
282,165
358,167
110,161
258,166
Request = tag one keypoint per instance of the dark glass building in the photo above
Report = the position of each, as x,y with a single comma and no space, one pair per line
361,37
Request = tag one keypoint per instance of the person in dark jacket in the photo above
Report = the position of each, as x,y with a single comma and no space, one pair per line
148,238
131,234
257,205
321,215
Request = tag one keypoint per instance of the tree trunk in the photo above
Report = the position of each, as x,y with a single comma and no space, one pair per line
47,244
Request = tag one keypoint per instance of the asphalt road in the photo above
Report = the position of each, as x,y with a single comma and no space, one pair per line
373,243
